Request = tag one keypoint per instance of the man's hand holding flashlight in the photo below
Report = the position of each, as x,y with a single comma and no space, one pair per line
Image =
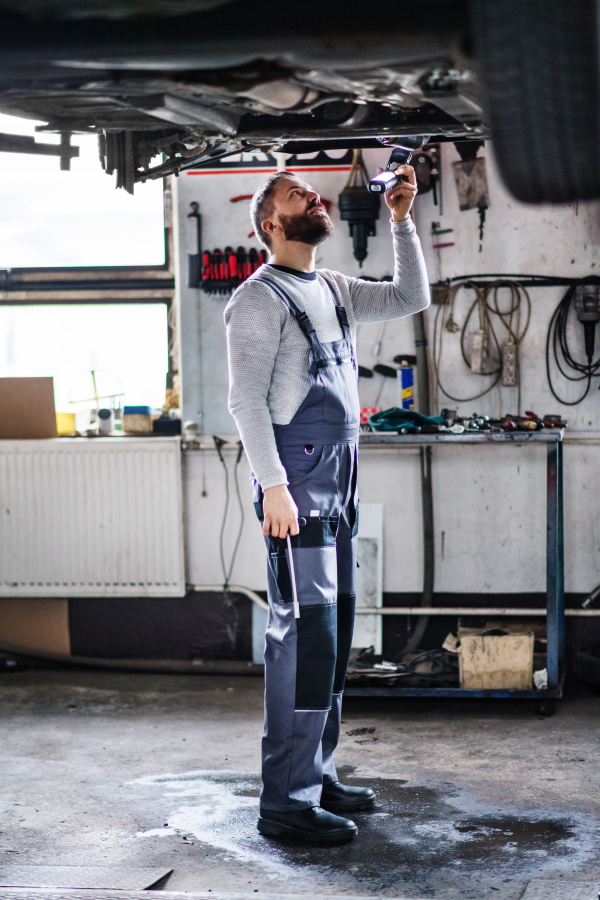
401,198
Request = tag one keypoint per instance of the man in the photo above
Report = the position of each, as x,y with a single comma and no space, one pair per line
291,334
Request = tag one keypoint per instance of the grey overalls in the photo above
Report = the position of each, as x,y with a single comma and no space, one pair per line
306,658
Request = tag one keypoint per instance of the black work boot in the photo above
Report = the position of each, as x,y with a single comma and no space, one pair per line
340,798
313,824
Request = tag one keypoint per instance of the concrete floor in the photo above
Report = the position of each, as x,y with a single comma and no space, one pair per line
475,799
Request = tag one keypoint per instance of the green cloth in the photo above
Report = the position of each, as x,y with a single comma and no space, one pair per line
394,419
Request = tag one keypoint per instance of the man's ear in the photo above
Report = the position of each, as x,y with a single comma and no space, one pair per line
270,227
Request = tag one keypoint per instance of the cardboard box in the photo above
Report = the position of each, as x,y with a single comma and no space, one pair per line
496,662
137,424
39,623
27,408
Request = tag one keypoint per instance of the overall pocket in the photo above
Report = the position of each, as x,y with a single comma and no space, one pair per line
300,461
343,404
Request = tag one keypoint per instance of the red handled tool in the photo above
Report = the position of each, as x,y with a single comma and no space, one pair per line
206,267
242,262
231,262
217,265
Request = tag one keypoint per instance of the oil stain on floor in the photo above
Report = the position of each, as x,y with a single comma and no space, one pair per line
411,830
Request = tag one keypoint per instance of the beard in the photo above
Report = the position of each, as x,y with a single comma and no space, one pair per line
307,228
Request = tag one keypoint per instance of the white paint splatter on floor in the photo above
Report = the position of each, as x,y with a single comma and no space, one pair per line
223,815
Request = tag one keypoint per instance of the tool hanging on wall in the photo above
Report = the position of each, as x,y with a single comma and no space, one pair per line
471,181
385,372
426,163
439,242
585,298
485,340
194,245
223,272
436,233
359,207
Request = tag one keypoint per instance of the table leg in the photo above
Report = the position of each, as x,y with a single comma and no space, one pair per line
555,589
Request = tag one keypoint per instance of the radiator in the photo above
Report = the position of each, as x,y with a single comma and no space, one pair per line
97,517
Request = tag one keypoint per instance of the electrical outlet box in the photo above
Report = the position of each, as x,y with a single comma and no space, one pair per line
480,353
509,364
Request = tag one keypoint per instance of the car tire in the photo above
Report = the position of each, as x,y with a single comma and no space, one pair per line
539,65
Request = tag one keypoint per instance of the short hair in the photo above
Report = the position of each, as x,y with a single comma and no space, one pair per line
261,205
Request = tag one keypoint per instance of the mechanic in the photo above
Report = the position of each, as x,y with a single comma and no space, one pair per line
291,337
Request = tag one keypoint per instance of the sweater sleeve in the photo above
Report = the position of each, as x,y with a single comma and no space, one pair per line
407,294
253,323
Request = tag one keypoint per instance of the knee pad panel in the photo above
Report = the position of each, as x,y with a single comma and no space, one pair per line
316,654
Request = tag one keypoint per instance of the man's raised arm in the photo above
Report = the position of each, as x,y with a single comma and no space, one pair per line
408,293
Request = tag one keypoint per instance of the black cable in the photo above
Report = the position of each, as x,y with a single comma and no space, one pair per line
553,279
219,444
557,338
239,496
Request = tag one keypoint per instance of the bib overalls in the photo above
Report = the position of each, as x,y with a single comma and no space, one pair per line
306,658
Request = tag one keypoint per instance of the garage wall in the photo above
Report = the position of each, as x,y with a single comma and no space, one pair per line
489,502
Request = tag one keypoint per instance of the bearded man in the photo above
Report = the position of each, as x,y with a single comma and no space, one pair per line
291,337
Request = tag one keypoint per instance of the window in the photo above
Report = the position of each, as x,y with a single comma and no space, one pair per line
54,219
125,344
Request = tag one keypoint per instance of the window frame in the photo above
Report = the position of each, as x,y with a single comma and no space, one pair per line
106,271
172,367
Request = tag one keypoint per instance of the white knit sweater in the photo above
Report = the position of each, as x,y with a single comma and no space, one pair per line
268,353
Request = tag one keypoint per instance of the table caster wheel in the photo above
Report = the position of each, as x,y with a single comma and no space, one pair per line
547,708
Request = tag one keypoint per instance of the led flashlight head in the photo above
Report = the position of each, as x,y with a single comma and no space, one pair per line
400,156
383,182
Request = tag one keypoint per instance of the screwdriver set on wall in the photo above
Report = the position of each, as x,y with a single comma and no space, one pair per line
223,271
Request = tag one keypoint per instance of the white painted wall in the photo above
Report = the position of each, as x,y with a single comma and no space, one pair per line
488,501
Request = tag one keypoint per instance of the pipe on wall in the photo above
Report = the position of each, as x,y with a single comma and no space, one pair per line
231,589
149,666
424,407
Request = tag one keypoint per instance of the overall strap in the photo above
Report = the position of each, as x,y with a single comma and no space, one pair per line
340,311
301,317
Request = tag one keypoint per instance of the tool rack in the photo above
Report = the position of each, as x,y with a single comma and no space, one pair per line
555,589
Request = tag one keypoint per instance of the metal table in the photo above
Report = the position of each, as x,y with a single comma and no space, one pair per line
555,583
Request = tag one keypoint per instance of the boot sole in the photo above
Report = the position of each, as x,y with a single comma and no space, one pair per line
347,805
275,829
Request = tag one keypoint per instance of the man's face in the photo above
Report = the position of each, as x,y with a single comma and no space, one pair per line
300,213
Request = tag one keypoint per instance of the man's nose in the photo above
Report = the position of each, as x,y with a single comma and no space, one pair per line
314,198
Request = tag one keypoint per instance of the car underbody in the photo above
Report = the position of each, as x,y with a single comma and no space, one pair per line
172,91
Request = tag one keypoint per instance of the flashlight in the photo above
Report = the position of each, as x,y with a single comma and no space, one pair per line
388,179
401,156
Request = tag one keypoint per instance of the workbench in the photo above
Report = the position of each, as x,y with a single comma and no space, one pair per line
555,589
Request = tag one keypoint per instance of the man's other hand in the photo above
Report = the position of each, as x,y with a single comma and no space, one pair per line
280,511
400,199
